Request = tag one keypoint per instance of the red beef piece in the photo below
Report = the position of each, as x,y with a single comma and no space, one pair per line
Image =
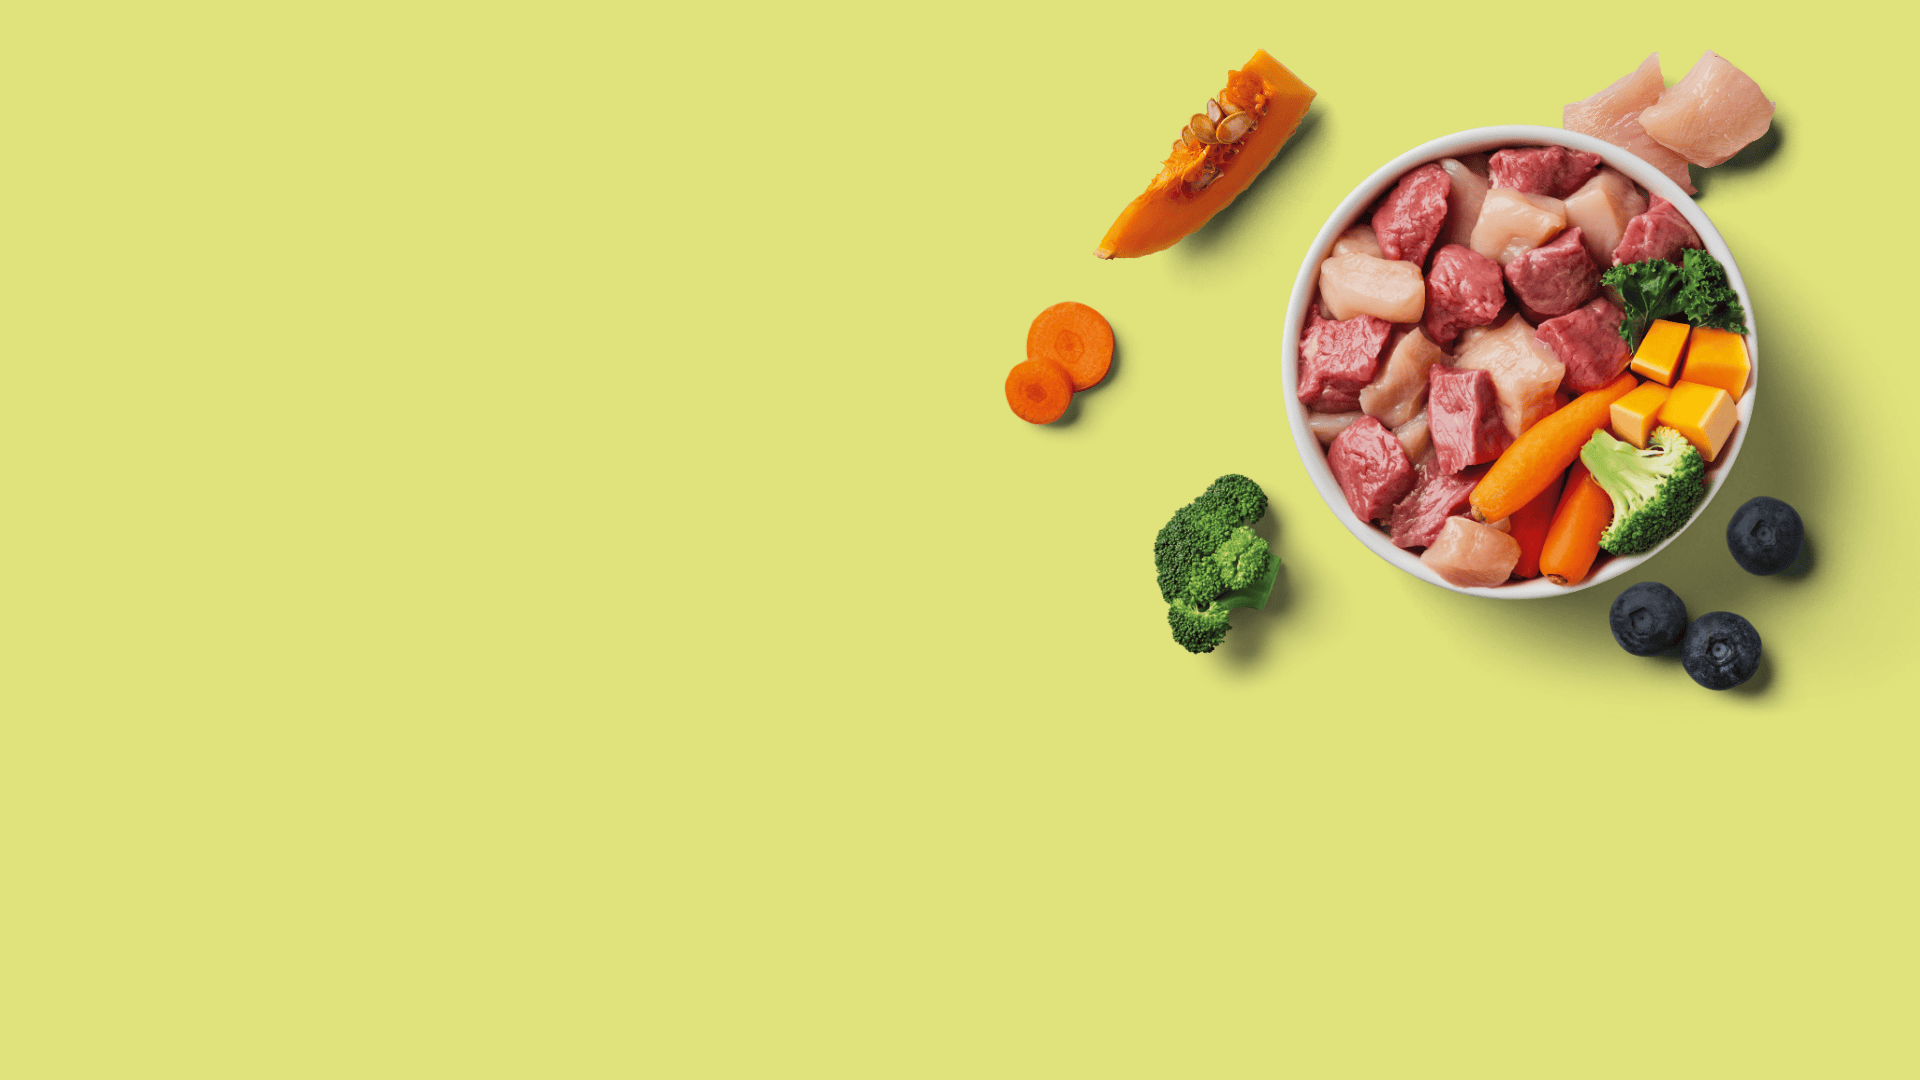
1543,170
1372,470
1463,417
1660,233
1409,221
1587,340
1463,289
1555,278
1436,496
1339,358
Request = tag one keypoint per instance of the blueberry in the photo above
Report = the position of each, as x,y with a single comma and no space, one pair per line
1721,650
1765,535
1647,618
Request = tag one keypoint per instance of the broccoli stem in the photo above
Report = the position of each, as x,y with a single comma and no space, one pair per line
1256,592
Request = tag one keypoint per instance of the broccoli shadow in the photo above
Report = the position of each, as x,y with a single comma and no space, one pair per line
1752,156
1246,643
1072,415
1304,139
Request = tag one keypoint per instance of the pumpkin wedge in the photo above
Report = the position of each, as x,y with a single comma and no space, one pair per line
1218,154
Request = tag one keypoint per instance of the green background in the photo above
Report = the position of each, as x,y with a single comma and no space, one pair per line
517,564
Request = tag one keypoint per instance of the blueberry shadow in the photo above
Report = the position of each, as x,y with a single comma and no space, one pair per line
1305,139
1752,156
1802,563
1762,678
1072,415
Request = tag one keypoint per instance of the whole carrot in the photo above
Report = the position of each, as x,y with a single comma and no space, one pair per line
1530,524
1573,540
1545,450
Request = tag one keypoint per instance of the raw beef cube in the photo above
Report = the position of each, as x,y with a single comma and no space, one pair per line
1336,400
1409,220
1436,496
1372,469
1613,115
1395,394
1512,222
1463,418
1339,356
1463,202
1525,372
1601,209
1359,284
1587,341
1555,278
1360,238
1472,555
1326,425
1661,232
1414,437
1554,171
1465,289
1710,114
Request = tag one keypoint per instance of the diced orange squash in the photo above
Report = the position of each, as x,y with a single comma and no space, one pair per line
1661,351
1718,358
1636,415
1704,414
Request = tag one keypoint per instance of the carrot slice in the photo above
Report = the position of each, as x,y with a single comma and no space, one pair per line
1544,451
1573,540
1530,524
1077,338
1039,391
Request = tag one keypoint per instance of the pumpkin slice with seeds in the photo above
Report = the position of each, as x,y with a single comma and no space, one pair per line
1217,155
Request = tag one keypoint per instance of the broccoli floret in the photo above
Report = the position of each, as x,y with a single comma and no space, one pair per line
1210,561
1654,490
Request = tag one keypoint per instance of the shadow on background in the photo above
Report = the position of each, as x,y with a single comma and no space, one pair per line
1304,140
1752,156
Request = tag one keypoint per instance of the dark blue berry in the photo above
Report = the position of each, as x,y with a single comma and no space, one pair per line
1647,619
1765,535
1721,650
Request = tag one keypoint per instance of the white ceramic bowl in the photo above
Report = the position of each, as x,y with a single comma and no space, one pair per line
1314,456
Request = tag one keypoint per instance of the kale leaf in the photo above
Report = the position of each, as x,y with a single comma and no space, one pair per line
1657,289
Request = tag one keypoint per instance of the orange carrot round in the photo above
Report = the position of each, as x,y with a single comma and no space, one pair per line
1530,524
1039,391
1573,540
1077,338
1544,451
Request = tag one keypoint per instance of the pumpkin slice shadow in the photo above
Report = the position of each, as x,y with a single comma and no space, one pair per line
1212,233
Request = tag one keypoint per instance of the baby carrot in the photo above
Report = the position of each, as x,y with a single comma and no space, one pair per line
1077,338
1039,391
1573,540
1529,526
1544,451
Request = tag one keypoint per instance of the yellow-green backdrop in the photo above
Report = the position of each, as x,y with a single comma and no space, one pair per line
517,564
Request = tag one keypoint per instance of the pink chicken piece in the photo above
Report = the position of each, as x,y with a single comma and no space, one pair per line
1408,222
1463,202
1436,496
1553,279
1661,232
1356,283
1337,359
1525,372
1553,171
1397,392
1512,222
1360,238
1471,555
1463,418
1601,210
1371,468
1465,289
1327,425
1588,342
1710,114
1613,116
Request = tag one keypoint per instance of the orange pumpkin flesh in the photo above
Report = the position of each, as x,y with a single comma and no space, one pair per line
1170,209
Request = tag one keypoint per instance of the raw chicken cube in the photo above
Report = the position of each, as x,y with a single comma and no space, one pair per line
1395,394
1471,555
1326,425
1512,222
1409,220
1463,418
1553,279
1465,289
1371,468
1709,115
1359,284
1338,358
1588,342
1436,496
1661,232
1542,170
1601,209
1469,190
1360,238
1613,115
1414,436
1525,372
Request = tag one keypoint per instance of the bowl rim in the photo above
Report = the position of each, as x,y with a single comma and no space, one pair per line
1469,141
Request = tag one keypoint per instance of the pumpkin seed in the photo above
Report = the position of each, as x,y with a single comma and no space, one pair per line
1205,180
1202,128
1214,112
1188,139
1234,128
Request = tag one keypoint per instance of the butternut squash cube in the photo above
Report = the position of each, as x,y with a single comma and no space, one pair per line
1718,358
1704,414
1636,415
1661,351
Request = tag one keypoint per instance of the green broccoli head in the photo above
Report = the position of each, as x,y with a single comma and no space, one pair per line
1210,561
1654,491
